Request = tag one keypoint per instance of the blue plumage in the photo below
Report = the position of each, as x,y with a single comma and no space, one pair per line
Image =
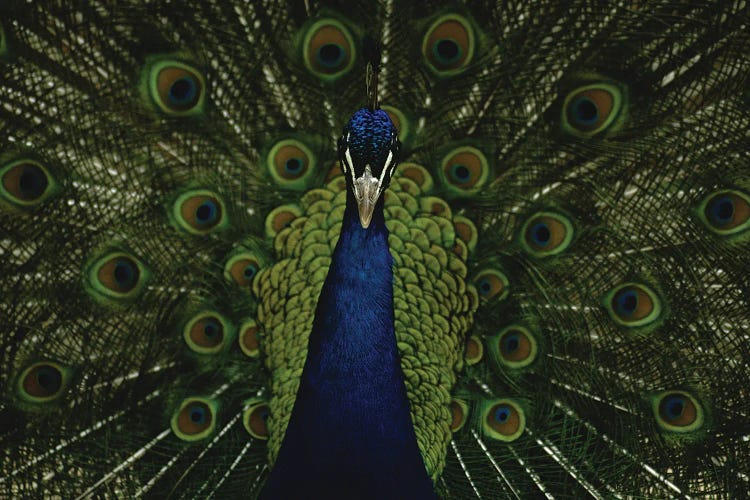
351,433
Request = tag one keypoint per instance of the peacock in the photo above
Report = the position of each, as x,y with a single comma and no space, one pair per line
374,249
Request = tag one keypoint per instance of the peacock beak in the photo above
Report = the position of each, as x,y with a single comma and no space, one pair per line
366,191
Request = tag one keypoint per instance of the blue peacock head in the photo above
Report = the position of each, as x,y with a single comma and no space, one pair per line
368,152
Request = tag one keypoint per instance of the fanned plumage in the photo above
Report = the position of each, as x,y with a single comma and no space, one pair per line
568,228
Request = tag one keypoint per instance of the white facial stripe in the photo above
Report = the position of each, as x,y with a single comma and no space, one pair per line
348,159
385,168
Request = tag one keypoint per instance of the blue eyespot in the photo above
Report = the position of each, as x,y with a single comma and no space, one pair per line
49,378
626,302
721,210
206,213
484,286
540,234
32,182
674,407
330,55
250,271
584,111
446,51
211,328
511,343
460,173
125,273
502,414
198,415
183,91
293,166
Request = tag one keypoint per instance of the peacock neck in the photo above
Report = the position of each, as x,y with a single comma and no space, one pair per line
351,434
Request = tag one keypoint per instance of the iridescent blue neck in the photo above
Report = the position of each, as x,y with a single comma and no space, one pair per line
350,434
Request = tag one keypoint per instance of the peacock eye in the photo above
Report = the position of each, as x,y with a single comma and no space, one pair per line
503,419
291,164
255,418
591,109
726,212
199,212
491,284
677,411
177,88
459,413
242,268
464,170
206,332
25,183
249,338
328,49
280,218
474,350
466,231
547,233
116,275
515,347
448,45
195,419
43,382
633,304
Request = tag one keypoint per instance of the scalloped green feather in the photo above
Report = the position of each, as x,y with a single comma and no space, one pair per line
429,280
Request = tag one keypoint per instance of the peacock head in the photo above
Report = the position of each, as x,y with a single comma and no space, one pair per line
368,153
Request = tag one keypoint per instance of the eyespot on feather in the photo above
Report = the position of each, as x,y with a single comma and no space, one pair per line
633,305
43,382
199,212
464,170
546,233
474,350
242,269
448,45
195,419
726,212
459,414
291,164
25,183
592,109
515,347
677,411
255,417
328,49
175,87
491,284
207,332
503,419
249,338
116,276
